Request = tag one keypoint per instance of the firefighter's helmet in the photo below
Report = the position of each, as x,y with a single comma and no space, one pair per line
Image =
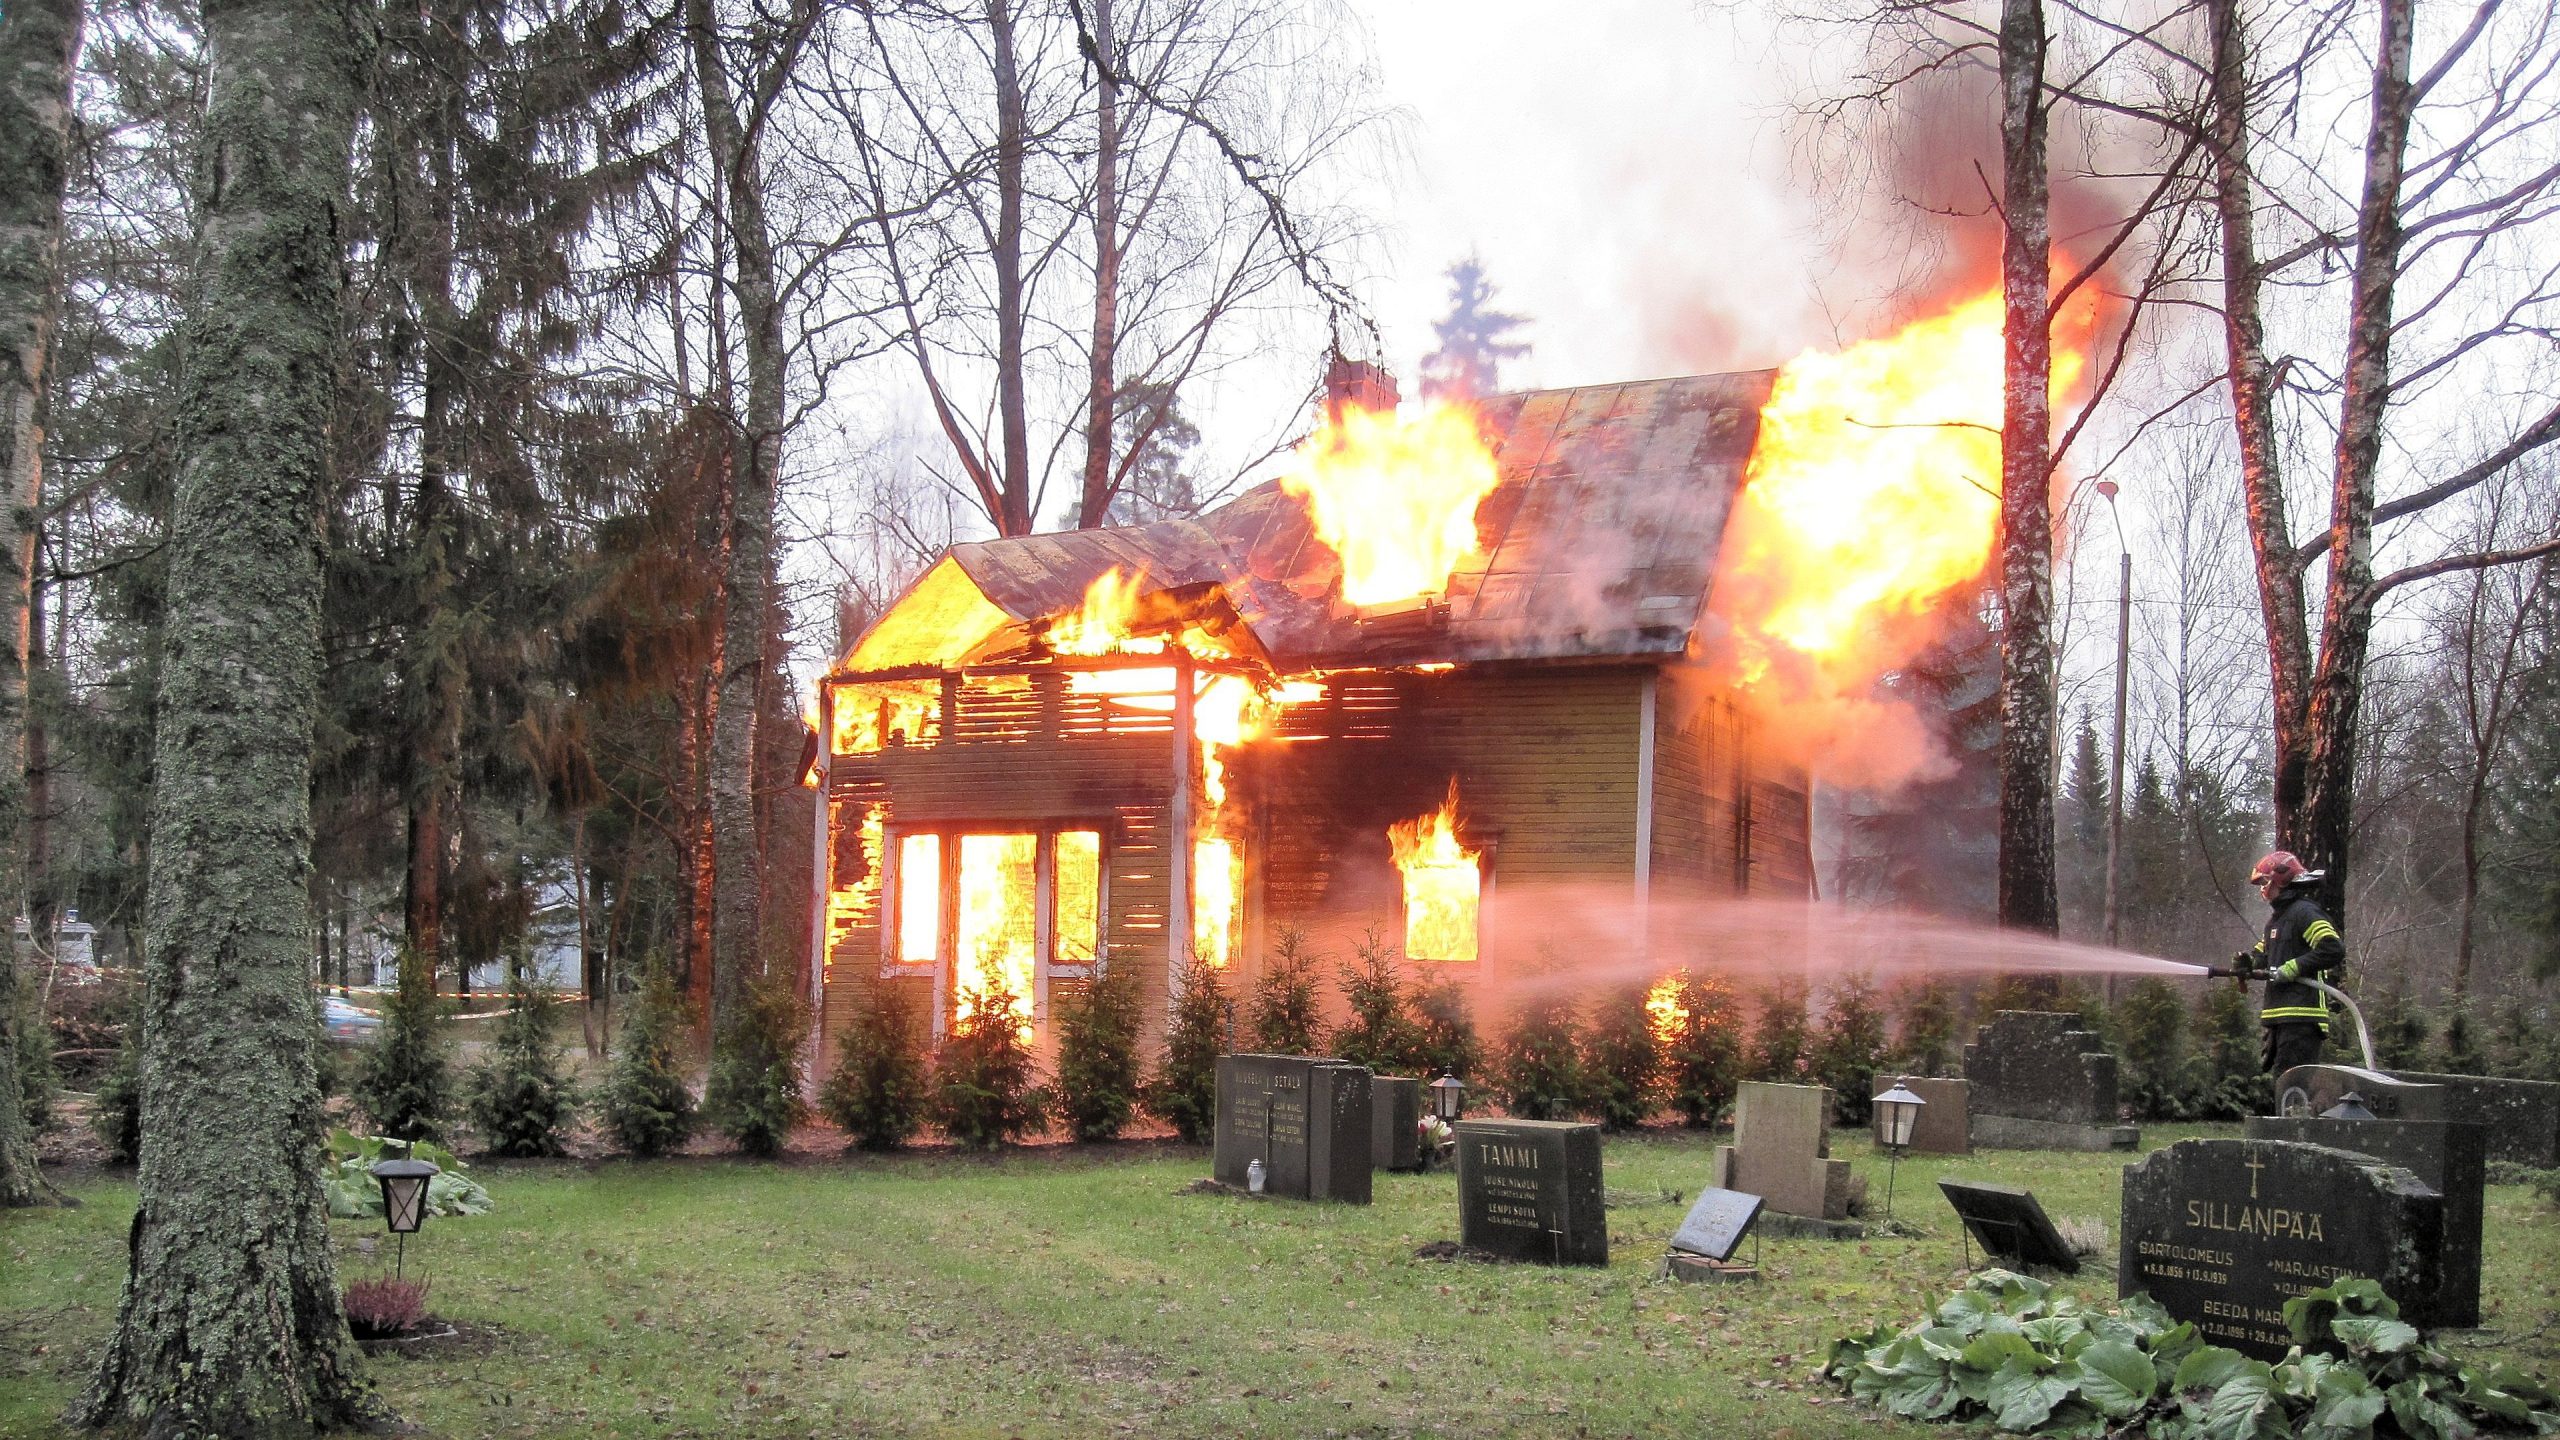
2279,869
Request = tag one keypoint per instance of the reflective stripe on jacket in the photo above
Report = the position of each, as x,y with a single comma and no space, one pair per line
2299,930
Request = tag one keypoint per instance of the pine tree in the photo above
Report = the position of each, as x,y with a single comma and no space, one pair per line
406,1083
1702,1064
1098,1056
1379,1031
1927,1044
1445,1040
1474,339
1621,1061
985,1093
2457,1050
1184,1092
2229,1083
1539,1071
1849,1046
2522,846
754,1094
2082,856
520,1102
1780,1043
1284,998
647,1104
2151,1022
876,1092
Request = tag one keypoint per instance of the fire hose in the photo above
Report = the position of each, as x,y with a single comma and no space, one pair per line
2364,1037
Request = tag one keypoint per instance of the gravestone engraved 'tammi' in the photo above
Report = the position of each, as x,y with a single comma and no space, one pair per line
1530,1190
1944,1125
2224,1232
2448,1155
1395,1109
1780,1150
1306,1120
2041,1082
2009,1225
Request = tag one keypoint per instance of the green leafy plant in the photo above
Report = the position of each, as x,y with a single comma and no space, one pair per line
1702,1061
520,1102
647,1103
1380,1031
406,1083
346,1176
876,1091
754,1093
1621,1063
984,1094
1284,1015
2007,1350
1184,1092
1098,1056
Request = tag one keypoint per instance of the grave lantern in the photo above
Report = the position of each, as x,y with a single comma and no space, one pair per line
1901,1111
1448,1098
2350,1106
404,1198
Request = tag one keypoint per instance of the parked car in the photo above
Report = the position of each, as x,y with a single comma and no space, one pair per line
344,1024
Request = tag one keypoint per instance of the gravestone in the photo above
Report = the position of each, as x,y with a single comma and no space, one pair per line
2224,1232
1530,1190
2448,1155
1780,1151
1395,1109
2041,1082
2522,1117
2310,1089
1702,1248
2009,1225
1944,1126
1306,1120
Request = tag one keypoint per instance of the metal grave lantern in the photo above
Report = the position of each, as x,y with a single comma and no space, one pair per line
1448,1098
404,1198
1901,1110
2350,1106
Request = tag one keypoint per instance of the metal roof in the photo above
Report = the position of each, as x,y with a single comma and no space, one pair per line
1599,540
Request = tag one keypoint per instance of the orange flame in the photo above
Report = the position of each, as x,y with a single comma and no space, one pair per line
1102,624
1394,497
1441,884
1871,503
996,936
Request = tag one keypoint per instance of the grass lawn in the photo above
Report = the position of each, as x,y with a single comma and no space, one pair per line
1074,1292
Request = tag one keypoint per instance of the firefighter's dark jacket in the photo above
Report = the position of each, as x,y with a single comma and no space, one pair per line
2298,930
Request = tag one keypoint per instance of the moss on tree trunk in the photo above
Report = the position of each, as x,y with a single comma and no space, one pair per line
230,1322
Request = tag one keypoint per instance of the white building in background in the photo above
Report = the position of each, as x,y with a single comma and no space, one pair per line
75,948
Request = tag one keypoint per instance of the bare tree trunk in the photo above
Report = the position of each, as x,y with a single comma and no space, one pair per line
1102,395
2027,898
39,885
2346,622
2253,387
38,41
230,1321
1012,385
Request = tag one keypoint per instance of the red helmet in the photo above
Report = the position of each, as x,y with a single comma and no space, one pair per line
2279,869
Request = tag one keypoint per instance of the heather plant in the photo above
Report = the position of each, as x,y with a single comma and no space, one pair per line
1849,1045
1927,1044
1702,1059
876,1091
1098,1056
1445,1039
754,1094
1621,1063
648,1105
406,1081
382,1307
1781,1043
520,1101
1380,1031
1539,1071
1184,1092
1284,998
984,1091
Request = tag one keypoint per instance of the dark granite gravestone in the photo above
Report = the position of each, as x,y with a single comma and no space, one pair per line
1395,1109
2224,1232
2448,1156
2310,1089
1530,1190
1944,1125
2040,1082
2009,1225
1306,1120
1717,1224
2522,1117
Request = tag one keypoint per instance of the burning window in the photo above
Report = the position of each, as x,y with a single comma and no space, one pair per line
974,902
997,934
1217,875
1078,888
1442,884
919,899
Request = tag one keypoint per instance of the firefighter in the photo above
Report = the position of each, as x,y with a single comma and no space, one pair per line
2301,941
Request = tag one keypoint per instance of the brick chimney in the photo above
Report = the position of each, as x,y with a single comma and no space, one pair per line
1357,384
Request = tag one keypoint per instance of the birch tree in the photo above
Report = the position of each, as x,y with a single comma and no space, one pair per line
230,1321
37,45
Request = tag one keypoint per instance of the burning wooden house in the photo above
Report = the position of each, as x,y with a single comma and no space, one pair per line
1426,686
